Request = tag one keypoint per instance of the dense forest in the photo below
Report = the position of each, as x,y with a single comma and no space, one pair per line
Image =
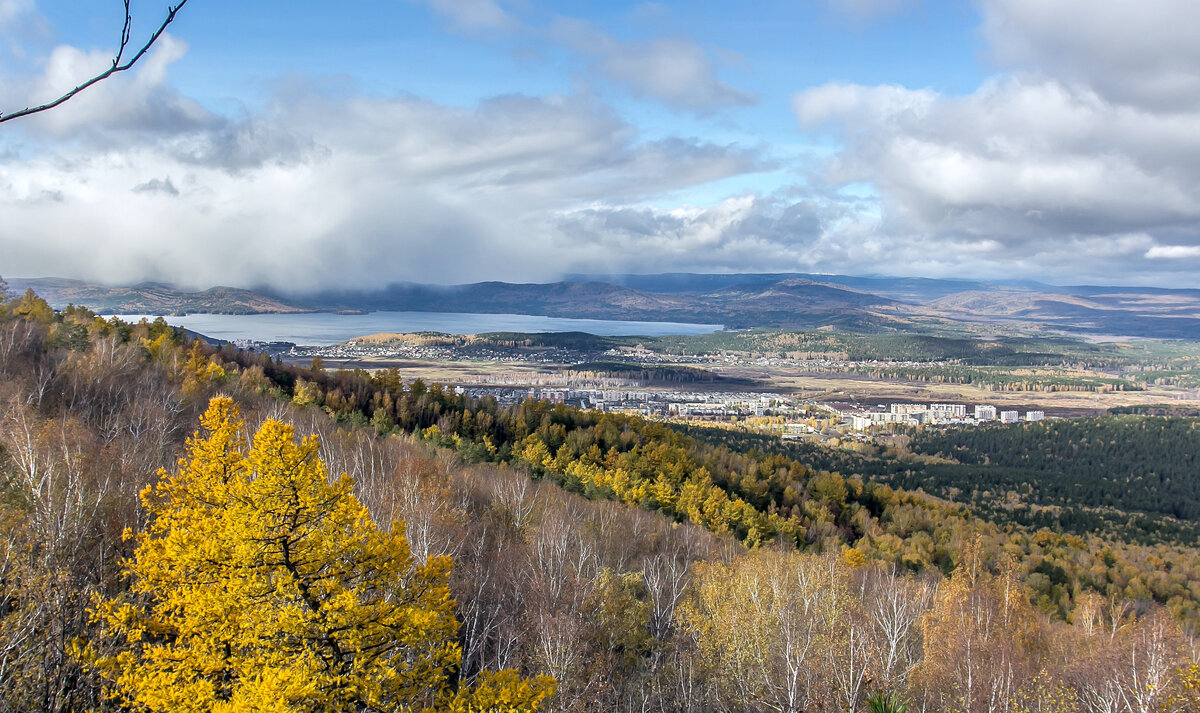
1130,476
1134,463
478,557
652,373
1004,378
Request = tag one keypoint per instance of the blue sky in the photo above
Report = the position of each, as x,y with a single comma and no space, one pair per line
314,143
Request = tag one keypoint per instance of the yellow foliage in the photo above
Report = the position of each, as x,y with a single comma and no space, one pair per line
260,585
199,370
501,692
307,393
981,628
161,349
853,557
1188,698
534,451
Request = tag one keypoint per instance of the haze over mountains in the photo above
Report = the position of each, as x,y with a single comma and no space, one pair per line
783,300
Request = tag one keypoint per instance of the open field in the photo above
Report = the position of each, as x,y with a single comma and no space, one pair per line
850,388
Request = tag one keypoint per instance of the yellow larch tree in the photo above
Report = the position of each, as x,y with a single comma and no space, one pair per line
260,585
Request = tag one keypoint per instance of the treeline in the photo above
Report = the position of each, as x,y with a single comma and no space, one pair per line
1002,495
1156,410
581,341
649,373
998,379
1189,378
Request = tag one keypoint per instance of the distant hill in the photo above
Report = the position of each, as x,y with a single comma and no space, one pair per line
915,290
1138,312
780,300
790,303
150,298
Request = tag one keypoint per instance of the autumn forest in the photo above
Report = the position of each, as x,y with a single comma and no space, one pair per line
186,528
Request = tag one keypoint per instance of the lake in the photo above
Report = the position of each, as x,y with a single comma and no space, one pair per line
323,328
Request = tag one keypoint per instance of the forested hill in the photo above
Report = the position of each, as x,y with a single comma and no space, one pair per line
621,557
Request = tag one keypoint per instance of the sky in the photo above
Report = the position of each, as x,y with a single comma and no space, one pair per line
309,144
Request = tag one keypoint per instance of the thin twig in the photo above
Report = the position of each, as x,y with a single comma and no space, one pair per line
117,66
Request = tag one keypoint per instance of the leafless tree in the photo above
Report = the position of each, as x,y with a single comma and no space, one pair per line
512,492
666,574
894,605
120,63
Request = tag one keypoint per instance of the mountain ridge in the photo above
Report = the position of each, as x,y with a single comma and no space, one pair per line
778,300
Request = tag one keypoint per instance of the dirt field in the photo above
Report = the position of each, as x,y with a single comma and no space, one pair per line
870,390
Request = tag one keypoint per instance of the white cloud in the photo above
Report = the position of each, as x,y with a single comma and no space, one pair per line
12,10
130,102
1173,252
677,72
1038,150
20,24
321,190
1048,171
1143,52
1060,159
473,15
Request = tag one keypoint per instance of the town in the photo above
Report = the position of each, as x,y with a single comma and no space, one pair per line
787,416
728,402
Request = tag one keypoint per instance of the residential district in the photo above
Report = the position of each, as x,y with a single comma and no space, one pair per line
791,417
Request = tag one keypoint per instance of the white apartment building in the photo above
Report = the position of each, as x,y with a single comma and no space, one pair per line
863,421
947,412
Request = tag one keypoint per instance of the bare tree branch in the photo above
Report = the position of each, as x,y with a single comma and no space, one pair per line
117,65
